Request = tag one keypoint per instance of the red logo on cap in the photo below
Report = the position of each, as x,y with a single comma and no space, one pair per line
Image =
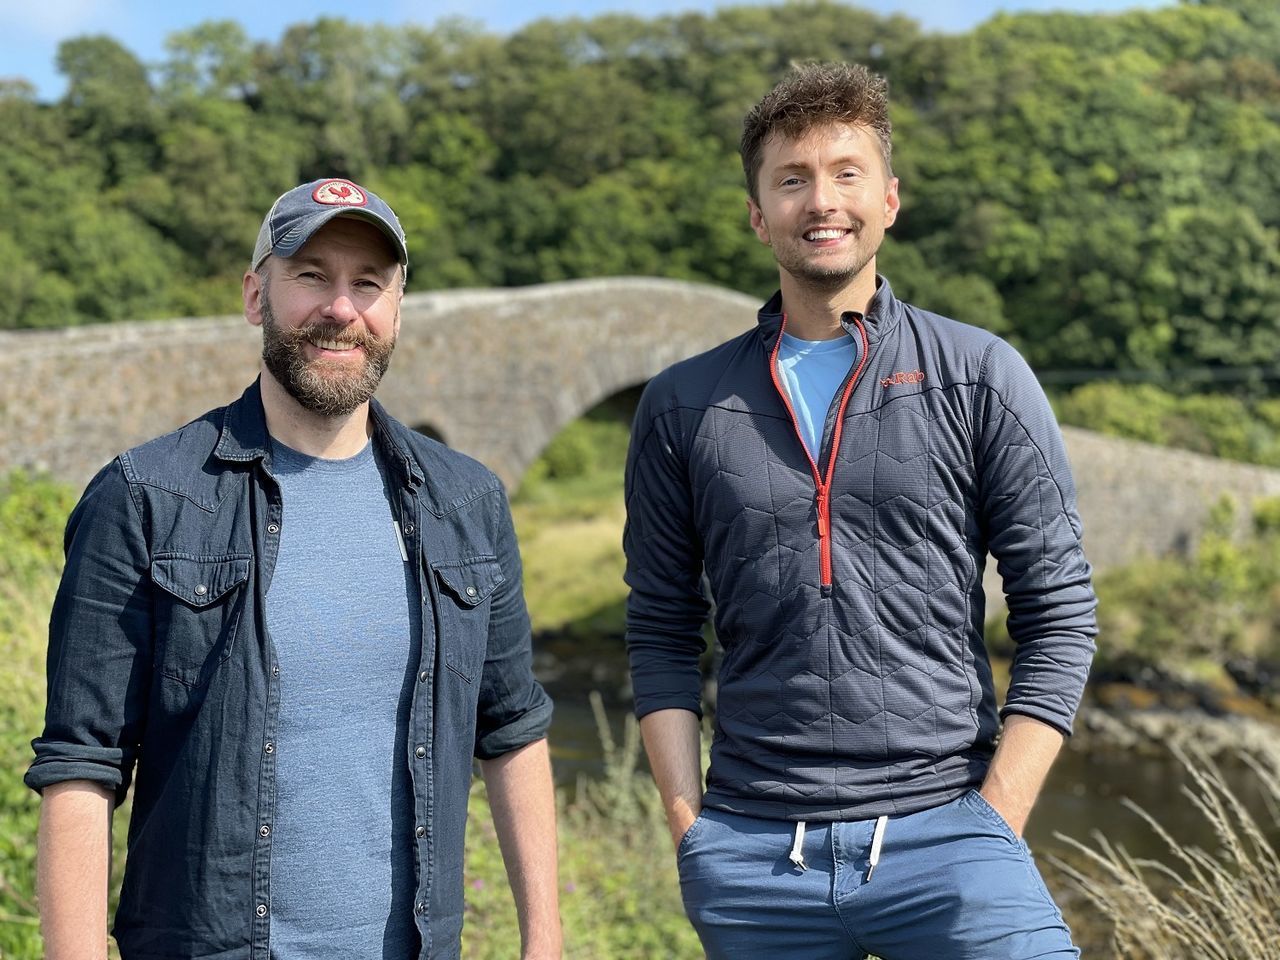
339,193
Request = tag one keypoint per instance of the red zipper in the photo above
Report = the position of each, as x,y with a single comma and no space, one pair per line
822,486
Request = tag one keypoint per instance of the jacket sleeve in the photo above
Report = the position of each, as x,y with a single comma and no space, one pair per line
666,608
100,644
513,708
1028,512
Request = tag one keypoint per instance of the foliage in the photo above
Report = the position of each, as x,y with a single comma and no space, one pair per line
611,907
33,510
1222,904
1215,424
1208,621
569,516
1100,189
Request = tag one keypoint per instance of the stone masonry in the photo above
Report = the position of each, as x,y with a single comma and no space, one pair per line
497,373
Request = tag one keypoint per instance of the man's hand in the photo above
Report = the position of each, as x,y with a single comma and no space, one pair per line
522,798
1026,752
672,740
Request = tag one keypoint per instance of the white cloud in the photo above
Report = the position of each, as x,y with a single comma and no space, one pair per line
58,18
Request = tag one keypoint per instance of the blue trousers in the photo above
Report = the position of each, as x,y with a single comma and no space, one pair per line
951,883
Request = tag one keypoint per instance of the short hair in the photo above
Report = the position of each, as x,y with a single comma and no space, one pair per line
811,95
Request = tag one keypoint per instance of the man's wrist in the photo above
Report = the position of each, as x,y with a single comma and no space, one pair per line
681,816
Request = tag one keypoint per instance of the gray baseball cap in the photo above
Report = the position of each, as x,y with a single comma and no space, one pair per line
298,214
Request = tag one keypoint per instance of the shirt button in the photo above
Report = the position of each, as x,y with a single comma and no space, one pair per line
421,907
472,591
275,671
422,677
420,832
201,589
420,752
408,528
264,830
269,747
262,910
273,528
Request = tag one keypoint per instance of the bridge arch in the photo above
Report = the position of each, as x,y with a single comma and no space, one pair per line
495,373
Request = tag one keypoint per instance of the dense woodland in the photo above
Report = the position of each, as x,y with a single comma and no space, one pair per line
1103,190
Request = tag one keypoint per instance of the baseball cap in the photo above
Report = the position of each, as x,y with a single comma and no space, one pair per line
299,213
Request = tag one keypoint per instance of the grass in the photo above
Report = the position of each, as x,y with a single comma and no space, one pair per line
619,894
1210,905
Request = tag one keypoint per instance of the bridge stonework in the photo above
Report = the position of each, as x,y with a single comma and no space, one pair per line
497,373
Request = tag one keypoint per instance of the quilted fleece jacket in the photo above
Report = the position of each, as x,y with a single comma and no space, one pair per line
848,592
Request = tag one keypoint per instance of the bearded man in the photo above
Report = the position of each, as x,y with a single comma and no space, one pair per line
296,621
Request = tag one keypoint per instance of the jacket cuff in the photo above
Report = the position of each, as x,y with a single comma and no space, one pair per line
63,762
1053,719
518,732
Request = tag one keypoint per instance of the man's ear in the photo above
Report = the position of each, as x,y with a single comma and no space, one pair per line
251,293
757,221
892,203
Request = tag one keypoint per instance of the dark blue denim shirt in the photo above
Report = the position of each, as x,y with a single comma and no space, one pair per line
160,662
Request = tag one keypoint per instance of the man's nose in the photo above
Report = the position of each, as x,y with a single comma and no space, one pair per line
822,196
341,307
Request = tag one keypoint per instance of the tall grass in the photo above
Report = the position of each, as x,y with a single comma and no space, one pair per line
619,897
1208,905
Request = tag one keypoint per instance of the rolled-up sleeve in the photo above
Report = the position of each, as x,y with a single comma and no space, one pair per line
666,606
513,709
100,644
1033,530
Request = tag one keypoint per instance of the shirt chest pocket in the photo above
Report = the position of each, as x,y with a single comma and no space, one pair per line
198,606
464,589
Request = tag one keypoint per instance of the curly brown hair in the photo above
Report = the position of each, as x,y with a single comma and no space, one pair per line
811,95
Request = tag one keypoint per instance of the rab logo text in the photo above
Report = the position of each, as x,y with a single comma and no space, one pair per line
899,378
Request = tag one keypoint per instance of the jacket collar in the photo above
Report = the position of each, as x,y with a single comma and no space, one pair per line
881,317
244,437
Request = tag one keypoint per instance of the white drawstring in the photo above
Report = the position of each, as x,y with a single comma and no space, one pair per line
797,847
877,840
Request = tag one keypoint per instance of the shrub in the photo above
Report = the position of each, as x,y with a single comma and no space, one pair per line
1213,424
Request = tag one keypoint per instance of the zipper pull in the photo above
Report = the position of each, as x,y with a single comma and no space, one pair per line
824,517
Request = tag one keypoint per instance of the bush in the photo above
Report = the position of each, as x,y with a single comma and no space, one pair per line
1212,424
33,511
1191,619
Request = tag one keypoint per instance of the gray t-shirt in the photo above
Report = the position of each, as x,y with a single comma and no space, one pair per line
343,614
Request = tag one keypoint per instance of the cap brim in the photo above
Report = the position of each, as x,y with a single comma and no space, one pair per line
305,229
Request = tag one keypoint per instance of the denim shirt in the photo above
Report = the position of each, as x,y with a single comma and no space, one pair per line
160,661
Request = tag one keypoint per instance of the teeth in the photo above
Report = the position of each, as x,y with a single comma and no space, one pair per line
830,233
332,345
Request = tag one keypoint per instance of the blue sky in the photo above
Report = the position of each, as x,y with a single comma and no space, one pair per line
33,28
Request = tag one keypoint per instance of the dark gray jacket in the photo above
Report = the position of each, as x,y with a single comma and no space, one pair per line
159,658
848,592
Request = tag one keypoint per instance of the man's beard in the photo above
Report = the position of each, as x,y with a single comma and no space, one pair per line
325,387
826,276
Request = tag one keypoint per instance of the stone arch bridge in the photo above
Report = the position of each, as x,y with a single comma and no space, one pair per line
497,373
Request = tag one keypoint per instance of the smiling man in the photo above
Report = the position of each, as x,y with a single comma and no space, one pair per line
837,477
298,622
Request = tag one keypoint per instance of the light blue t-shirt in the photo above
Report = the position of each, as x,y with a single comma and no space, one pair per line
342,611
812,371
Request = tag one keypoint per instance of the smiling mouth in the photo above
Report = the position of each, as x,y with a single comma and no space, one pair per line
819,234
338,345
